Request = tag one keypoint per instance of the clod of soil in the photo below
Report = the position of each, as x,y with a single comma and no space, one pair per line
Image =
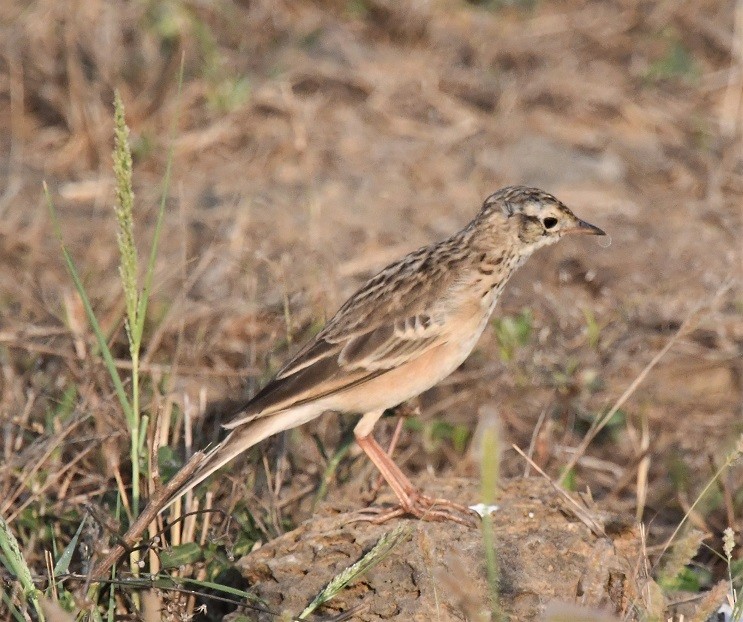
544,554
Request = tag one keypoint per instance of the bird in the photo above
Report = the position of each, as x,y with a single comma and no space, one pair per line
406,329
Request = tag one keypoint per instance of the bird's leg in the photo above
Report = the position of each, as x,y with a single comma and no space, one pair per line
402,412
411,500
396,435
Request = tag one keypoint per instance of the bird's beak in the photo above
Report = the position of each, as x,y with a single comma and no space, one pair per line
581,227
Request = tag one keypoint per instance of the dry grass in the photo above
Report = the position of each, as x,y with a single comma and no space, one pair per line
319,140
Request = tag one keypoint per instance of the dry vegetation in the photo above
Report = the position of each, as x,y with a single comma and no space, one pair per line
314,142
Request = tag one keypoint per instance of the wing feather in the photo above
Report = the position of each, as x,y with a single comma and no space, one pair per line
325,368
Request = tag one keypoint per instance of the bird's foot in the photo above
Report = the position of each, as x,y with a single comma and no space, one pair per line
425,508
412,501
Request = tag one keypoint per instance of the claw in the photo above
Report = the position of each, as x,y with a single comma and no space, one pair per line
424,508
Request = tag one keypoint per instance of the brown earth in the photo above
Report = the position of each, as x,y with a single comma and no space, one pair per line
545,554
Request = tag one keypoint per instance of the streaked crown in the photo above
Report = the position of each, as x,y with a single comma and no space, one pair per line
535,217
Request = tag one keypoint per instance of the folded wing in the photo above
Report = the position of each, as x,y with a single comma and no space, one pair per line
332,364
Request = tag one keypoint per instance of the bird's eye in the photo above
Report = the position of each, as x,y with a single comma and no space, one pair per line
549,222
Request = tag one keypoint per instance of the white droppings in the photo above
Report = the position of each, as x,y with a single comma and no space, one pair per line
483,509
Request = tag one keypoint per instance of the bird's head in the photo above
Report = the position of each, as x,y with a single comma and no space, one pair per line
532,218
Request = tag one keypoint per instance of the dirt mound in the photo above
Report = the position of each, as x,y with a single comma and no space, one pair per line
545,553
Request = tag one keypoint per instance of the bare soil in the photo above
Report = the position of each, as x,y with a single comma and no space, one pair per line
545,554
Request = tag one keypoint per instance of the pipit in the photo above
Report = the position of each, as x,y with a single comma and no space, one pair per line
405,330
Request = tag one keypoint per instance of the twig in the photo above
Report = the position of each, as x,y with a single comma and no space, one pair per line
581,513
533,441
156,504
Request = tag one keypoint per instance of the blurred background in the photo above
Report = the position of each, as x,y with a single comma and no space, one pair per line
316,141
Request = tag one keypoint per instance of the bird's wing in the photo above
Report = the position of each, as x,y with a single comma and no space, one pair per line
366,337
391,345
332,364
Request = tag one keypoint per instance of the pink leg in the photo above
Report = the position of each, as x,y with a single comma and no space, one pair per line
390,452
411,500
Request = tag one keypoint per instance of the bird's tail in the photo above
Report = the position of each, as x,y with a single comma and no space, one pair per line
242,439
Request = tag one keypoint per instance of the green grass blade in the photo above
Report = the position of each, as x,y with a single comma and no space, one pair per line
332,467
218,587
490,467
380,550
100,337
143,426
11,607
63,564
18,566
